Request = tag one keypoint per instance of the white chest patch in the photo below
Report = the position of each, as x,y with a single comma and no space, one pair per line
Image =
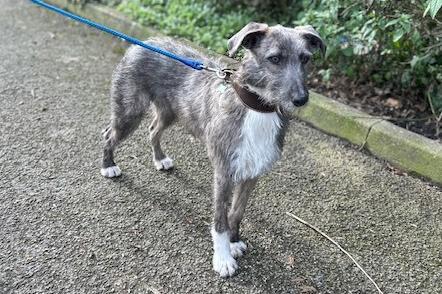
258,149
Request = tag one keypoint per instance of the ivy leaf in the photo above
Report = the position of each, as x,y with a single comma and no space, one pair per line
433,7
392,22
435,97
347,51
414,61
398,35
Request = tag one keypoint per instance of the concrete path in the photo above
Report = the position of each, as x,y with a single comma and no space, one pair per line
65,229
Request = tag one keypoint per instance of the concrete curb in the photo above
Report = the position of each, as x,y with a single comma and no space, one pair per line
404,149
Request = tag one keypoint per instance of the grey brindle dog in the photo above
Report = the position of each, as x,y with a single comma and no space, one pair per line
242,143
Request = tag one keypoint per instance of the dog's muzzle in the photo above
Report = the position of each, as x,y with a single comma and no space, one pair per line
301,100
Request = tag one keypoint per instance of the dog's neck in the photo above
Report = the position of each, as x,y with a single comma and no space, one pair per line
248,98
252,100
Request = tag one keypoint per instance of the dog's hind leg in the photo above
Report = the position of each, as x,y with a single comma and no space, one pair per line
127,111
163,117
119,129
240,196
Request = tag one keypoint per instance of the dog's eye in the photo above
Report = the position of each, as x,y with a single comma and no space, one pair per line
304,58
275,59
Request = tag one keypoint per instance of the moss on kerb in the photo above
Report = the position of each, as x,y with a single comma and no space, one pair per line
336,118
407,150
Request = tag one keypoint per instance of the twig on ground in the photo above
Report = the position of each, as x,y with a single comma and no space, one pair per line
438,125
366,135
433,46
337,245
437,117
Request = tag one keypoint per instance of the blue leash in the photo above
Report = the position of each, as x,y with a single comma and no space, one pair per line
189,62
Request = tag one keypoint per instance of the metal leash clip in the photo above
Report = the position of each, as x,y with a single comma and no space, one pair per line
220,73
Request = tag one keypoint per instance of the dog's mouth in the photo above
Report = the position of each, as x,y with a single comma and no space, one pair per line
289,105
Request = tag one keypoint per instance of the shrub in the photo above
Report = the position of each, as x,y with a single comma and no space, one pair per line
202,21
105,2
386,44
395,45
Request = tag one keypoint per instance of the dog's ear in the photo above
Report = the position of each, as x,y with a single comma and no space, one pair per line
313,39
248,37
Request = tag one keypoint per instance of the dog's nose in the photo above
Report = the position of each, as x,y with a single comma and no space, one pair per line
301,100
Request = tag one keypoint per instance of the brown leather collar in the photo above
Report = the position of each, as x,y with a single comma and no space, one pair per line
252,100
249,99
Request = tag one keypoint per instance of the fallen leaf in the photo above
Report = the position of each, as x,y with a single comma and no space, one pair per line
396,171
69,59
421,106
291,260
393,103
307,289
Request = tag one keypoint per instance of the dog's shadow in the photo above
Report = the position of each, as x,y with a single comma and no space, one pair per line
263,268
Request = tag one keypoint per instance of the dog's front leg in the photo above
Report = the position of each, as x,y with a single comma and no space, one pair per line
240,196
223,261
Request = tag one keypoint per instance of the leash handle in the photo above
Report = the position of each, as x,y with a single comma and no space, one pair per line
189,62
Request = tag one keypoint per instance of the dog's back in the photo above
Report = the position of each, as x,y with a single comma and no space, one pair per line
176,91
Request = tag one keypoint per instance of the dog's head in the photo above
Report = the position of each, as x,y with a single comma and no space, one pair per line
275,60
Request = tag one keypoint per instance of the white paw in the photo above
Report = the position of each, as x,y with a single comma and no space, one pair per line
224,264
111,171
163,164
237,249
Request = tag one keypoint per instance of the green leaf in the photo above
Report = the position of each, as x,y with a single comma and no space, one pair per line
392,22
398,35
347,51
435,95
433,7
414,61
326,74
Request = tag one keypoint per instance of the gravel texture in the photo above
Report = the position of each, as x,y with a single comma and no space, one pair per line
65,229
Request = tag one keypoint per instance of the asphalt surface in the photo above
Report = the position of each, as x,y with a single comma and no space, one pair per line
65,229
